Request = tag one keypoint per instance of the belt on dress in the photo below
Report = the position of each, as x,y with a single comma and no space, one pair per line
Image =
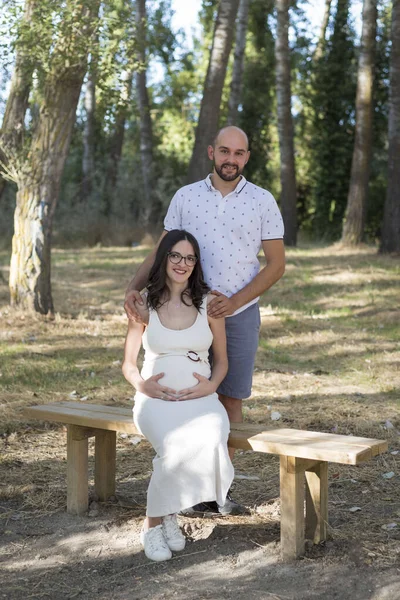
190,354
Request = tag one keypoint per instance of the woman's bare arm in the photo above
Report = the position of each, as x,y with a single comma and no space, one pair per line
220,358
133,343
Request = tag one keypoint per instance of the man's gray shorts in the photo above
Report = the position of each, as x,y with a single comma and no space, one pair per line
242,333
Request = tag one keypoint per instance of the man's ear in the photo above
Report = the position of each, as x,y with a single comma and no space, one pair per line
210,152
248,156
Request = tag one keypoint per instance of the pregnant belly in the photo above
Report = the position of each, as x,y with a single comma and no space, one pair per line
178,371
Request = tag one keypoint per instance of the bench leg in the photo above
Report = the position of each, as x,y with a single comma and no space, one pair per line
105,459
317,503
292,507
77,470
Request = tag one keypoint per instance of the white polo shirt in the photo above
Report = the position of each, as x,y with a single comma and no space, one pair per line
229,230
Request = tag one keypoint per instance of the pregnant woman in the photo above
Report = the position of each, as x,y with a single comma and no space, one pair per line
176,405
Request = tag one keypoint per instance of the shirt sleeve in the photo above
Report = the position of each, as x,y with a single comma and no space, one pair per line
173,218
272,227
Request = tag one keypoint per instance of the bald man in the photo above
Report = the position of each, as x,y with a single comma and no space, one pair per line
232,219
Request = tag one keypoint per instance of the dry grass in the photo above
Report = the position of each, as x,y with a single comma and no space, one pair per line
328,360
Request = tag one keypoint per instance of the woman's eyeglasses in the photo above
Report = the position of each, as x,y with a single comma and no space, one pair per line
176,258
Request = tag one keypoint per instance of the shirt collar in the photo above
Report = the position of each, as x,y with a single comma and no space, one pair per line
242,182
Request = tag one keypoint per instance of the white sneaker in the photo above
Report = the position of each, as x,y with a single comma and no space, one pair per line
173,534
154,544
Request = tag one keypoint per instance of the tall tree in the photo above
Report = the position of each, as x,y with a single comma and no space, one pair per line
353,227
208,122
238,62
40,174
322,32
116,144
12,128
258,93
285,123
331,135
88,159
391,220
145,124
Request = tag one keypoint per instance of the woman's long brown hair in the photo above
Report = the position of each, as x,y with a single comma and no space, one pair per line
158,291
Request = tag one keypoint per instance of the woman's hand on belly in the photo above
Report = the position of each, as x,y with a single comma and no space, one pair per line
205,387
150,387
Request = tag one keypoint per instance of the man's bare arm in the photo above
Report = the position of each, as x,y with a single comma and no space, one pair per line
274,251
139,281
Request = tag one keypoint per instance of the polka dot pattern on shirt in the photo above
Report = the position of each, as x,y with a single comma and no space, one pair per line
229,229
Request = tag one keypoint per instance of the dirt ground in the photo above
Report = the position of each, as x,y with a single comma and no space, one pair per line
328,361
46,553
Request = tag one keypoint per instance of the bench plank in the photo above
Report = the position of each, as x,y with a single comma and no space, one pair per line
84,417
309,445
102,408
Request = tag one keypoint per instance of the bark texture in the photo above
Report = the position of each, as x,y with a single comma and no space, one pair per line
88,160
17,102
285,124
238,62
149,215
353,228
116,145
391,219
40,176
208,122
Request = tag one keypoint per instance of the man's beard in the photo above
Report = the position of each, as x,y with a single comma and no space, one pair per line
228,176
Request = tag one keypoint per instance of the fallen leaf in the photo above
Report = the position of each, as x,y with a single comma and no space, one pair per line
388,475
248,477
135,440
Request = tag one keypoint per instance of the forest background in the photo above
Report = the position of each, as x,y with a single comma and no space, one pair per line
93,148
84,130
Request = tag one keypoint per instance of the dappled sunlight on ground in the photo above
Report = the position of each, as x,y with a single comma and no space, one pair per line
328,360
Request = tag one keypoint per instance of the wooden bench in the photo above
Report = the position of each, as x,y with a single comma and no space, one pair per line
304,458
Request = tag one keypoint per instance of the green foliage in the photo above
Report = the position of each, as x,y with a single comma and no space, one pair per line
332,135
378,177
323,106
258,96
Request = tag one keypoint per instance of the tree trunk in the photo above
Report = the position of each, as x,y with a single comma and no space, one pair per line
146,128
285,124
322,34
17,102
116,145
353,227
391,218
238,63
40,177
89,133
207,125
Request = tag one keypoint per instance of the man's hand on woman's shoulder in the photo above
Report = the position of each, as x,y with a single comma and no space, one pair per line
135,306
219,305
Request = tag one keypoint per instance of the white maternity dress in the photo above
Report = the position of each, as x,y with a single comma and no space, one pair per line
192,464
